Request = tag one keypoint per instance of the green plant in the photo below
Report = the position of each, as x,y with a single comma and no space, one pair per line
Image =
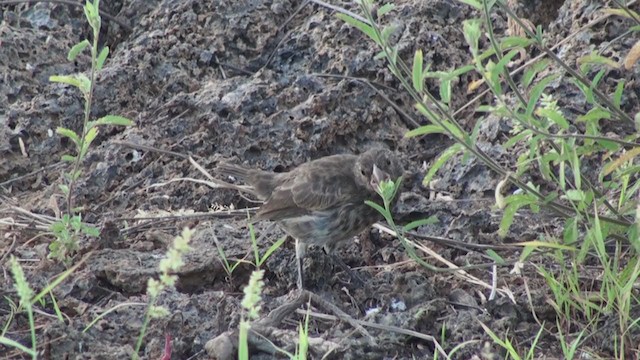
597,210
167,280
259,259
251,305
507,344
387,191
569,350
26,301
228,267
303,337
67,229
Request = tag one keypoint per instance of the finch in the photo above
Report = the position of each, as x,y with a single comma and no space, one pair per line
321,202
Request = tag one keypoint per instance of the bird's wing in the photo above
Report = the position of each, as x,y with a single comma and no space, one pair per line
308,191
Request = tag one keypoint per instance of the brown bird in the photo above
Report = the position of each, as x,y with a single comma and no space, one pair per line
321,202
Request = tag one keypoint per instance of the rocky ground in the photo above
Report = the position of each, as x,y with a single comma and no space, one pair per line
270,84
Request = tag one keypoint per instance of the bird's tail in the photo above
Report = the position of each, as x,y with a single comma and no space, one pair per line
259,183
236,171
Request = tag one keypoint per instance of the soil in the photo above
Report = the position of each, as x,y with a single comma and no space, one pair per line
257,83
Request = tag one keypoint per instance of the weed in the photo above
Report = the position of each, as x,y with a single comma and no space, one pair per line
67,229
598,207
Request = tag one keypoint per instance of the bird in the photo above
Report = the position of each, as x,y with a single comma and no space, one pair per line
320,202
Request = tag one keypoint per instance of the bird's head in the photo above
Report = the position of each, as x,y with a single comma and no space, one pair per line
376,166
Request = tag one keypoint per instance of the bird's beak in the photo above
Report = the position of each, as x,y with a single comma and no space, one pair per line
378,176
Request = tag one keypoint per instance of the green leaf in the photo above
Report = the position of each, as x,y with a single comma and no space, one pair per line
417,223
570,232
626,13
495,257
476,131
516,138
425,130
526,251
555,116
522,164
445,91
599,60
472,33
102,57
545,168
532,72
365,28
543,244
515,42
514,203
9,343
631,170
454,130
385,9
68,158
575,168
598,236
76,175
418,84
536,92
582,87
64,189
435,74
388,189
77,49
376,206
447,154
80,81
617,96
89,10
275,246
460,71
633,237
114,120
393,56
593,85
486,54
65,79
575,195
88,139
387,31
95,25
627,156
473,3
609,145
93,16
595,115
493,76
69,133
502,64
90,230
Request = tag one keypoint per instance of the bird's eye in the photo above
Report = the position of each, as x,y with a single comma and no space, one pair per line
362,172
388,162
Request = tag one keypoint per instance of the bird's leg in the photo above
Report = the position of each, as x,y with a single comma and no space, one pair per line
336,260
301,250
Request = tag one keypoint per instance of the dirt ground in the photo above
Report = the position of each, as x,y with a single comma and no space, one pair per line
256,82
